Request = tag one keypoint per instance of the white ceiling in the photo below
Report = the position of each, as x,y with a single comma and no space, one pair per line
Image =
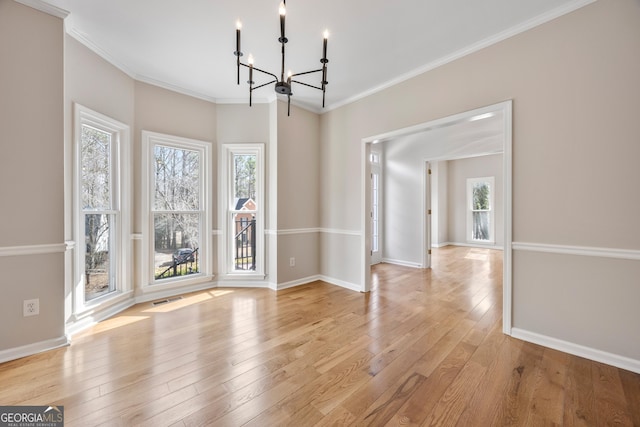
187,45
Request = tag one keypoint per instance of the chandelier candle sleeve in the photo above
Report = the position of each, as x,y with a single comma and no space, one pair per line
238,28
325,36
283,12
238,53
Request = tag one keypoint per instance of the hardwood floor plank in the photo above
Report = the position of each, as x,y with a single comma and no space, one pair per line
610,400
520,388
419,405
578,408
548,401
631,387
450,406
424,347
488,400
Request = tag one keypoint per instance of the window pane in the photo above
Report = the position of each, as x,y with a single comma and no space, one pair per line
177,179
244,175
244,229
480,226
96,168
374,236
481,196
177,244
98,242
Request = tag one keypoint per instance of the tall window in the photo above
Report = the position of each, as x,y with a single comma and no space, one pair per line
99,226
242,182
376,199
177,202
480,209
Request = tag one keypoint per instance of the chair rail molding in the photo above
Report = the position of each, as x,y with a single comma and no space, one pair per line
33,249
629,254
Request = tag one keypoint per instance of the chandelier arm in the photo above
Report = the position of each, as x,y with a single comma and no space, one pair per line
306,72
264,84
306,84
262,71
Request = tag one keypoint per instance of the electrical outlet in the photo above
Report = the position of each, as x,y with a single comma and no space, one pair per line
31,307
292,262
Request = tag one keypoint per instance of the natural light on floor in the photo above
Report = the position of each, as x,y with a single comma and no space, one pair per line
178,303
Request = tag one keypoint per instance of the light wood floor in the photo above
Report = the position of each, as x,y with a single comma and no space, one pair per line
425,347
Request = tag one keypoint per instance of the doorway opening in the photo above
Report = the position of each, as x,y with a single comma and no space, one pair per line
481,132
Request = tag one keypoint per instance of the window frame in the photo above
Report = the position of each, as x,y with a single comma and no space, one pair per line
227,210
149,141
491,210
375,160
120,247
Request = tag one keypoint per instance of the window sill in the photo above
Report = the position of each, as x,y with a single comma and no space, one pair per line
177,283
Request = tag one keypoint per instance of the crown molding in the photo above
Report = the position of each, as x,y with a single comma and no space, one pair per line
84,39
510,32
515,30
45,7
174,88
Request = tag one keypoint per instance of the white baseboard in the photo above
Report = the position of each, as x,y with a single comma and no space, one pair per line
618,361
171,292
341,283
474,245
402,263
31,349
440,245
297,282
244,284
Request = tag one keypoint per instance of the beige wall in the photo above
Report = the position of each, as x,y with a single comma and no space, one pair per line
31,175
576,97
298,193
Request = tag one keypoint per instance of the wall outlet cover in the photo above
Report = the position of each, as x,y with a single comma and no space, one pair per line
31,307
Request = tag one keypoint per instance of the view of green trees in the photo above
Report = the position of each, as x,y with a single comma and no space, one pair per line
96,199
481,205
176,198
245,176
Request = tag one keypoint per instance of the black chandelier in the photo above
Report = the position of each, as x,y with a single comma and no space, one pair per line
282,86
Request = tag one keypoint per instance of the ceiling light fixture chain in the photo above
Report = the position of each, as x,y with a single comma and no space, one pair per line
282,86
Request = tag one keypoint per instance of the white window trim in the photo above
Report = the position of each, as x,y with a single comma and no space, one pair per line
492,210
226,206
375,158
149,284
121,200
